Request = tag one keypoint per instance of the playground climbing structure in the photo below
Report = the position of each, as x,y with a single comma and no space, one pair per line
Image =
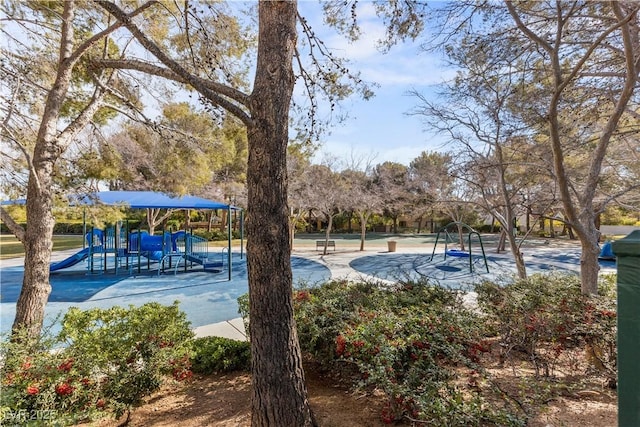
117,249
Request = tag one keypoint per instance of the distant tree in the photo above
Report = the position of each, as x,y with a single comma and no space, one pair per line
392,184
184,152
498,188
326,193
362,198
439,177
494,155
624,172
300,191
426,180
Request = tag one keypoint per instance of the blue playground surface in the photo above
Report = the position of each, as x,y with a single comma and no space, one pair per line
455,272
208,297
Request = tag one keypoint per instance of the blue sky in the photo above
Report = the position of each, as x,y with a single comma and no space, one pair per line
380,127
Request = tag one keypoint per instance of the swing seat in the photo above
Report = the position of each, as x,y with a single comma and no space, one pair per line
458,253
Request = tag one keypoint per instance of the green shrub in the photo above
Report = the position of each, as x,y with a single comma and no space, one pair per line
417,343
133,348
216,235
487,228
5,230
103,360
607,285
68,228
217,354
243,310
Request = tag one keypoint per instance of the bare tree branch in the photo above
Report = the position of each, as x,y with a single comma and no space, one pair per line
167,73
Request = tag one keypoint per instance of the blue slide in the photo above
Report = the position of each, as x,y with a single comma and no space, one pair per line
72,260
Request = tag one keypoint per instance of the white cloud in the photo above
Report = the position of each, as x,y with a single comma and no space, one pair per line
406,63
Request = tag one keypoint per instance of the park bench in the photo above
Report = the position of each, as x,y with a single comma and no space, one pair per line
320,244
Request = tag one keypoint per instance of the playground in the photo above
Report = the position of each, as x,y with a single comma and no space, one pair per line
209,295
115,249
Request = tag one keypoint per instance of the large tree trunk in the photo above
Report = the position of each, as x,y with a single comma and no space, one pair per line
589,266
152,214
460,236
279,393
38,244
521,268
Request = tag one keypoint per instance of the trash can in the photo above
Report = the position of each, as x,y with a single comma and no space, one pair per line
391,244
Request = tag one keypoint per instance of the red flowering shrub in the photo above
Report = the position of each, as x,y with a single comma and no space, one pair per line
544,316
64,389
104,360
39,381
182,374
409,342
341,344
181,368
301,295
66,365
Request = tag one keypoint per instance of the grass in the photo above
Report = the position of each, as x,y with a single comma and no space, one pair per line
10,247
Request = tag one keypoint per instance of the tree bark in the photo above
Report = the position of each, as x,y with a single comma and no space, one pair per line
279,396
364,217
589,266
327,233
502,241
521,267
460,236
38,245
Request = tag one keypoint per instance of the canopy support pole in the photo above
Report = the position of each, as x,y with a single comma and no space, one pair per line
242,234
229,239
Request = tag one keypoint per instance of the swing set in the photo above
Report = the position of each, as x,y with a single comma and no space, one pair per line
459,228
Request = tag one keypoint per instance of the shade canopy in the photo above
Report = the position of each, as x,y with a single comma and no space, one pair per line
139,200
150,200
